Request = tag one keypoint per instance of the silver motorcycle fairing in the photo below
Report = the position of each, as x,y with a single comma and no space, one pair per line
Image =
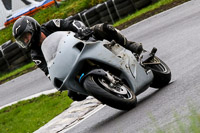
65,55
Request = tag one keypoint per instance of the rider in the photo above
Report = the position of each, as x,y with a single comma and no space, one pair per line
30,34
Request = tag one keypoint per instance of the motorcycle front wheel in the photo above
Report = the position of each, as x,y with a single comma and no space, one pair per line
118,96
161,72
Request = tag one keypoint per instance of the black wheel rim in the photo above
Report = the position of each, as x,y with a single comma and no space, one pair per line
118,90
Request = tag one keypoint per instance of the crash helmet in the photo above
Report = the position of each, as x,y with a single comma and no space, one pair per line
27,31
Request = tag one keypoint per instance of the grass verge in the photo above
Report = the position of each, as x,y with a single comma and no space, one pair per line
28,116
4,77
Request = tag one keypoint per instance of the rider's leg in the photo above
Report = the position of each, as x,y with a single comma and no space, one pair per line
106,31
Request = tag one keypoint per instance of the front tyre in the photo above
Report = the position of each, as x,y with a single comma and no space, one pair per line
161,72
118,96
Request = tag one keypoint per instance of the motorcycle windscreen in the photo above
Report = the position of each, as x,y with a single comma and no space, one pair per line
50,46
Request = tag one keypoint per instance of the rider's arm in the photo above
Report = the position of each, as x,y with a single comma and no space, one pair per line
63,25
66,25
39,60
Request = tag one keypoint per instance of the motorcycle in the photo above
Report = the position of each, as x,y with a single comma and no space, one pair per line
102,69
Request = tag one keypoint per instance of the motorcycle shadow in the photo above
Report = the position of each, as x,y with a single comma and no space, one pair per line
149,93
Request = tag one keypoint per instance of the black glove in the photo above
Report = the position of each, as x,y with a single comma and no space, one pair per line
82,31
85,33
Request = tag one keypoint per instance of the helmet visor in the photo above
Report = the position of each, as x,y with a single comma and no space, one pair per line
24,40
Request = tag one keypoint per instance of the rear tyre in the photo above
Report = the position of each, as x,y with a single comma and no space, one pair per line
118,96
161,72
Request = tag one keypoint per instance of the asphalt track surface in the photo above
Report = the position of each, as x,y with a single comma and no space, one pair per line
24,86
176,34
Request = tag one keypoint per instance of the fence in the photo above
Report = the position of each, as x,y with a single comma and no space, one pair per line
12,56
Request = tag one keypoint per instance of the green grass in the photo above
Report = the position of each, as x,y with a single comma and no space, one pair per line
194,126
6,34
28,116
15,73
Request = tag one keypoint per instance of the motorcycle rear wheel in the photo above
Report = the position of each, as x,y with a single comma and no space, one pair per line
122,97
161,72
